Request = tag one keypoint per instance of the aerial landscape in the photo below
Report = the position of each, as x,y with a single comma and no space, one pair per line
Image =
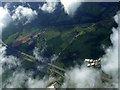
65,44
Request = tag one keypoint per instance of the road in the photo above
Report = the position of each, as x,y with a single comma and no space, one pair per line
34,59
49,64
59,68
56,72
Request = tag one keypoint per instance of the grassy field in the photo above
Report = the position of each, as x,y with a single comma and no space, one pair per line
27,32
11,38
87,45
51,34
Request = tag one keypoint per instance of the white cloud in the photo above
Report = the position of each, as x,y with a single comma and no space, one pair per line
7,62
110,60
24,12
49,6
2,52
70,6
22,78
76,77
82,77
36,83
36,53
116,18
5,19
17,79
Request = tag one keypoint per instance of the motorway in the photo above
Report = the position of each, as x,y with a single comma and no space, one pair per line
49,64
59,68
56,72
31,57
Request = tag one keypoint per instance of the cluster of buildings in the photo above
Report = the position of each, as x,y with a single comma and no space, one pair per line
92,62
